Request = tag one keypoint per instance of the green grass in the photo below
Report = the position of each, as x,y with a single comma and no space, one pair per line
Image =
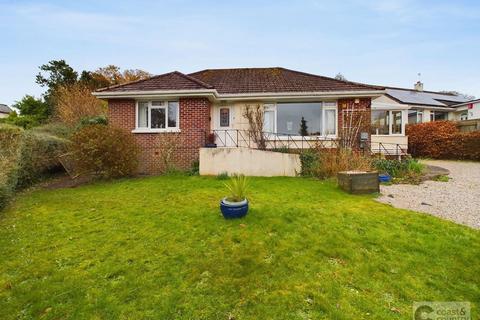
158,248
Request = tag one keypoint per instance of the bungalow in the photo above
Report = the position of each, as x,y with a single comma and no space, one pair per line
469,110
4,110
296,106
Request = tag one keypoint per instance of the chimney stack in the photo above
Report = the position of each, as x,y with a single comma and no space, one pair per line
418,86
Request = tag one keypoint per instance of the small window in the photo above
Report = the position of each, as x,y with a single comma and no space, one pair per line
157,115
224,117
142,115
438,115
330,122
396,122
172,114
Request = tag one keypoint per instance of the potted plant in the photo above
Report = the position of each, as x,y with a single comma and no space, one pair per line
236,204
210,141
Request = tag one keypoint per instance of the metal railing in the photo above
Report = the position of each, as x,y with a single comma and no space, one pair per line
287,142
245,139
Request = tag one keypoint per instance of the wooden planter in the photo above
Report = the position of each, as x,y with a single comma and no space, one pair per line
358,182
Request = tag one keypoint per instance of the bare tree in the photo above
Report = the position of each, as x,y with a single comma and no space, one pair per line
168,145
74,102
254,115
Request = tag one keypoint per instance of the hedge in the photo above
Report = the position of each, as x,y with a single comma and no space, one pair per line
443,140
25,155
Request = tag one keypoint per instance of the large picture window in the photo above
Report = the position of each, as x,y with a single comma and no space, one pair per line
302,119
157,115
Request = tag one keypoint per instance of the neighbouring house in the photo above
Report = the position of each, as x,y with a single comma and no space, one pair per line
468,110
4,110
399,106
297,106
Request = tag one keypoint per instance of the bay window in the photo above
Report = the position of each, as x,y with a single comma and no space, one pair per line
387,122
157,116
302,118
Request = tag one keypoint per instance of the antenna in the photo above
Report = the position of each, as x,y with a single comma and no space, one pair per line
419,76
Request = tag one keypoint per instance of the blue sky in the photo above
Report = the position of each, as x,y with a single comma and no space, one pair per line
378,42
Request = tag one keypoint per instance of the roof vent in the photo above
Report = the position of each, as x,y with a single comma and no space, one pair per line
418,86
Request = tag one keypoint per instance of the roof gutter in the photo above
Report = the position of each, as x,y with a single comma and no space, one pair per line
212,93
154,94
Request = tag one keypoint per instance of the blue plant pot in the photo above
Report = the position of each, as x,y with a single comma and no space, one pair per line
384,177
232,210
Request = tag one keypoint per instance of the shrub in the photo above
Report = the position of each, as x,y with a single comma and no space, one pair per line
25,155
101,119
10,139
222,176
407,170
325,163
195,169
309,161
26,121
442,140
105,151
39,154
57,129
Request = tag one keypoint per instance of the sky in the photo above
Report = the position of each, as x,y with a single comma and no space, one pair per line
385,42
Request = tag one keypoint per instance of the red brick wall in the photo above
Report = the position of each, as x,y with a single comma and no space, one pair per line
352,115
183,146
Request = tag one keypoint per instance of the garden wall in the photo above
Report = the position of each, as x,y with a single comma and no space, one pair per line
250,162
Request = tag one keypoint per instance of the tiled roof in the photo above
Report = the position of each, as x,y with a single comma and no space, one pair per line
4,108
258,80
243,80
169,81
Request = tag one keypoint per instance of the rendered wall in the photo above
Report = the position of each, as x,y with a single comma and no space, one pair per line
250,162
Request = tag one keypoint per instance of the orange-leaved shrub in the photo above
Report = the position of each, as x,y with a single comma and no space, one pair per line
105,151
442,140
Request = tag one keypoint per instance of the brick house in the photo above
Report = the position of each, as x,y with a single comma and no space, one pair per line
191,106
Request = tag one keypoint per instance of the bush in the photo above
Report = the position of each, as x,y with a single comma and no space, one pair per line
10,139
94,120
26,121
104,151
55,129
25,155
326,163
407,170
442,140
39,154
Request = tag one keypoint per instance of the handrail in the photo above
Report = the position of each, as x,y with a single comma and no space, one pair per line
275,141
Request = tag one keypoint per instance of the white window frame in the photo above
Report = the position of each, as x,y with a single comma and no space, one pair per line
334,106
390,123
149,128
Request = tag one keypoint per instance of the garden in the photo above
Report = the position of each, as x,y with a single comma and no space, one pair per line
159,247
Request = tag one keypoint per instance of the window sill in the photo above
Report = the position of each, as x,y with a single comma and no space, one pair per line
170,130
389,135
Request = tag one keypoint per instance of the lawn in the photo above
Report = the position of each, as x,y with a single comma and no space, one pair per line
158,248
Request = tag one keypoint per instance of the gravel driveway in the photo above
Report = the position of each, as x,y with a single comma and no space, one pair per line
457,200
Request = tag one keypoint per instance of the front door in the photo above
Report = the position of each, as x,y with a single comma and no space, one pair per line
225,135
